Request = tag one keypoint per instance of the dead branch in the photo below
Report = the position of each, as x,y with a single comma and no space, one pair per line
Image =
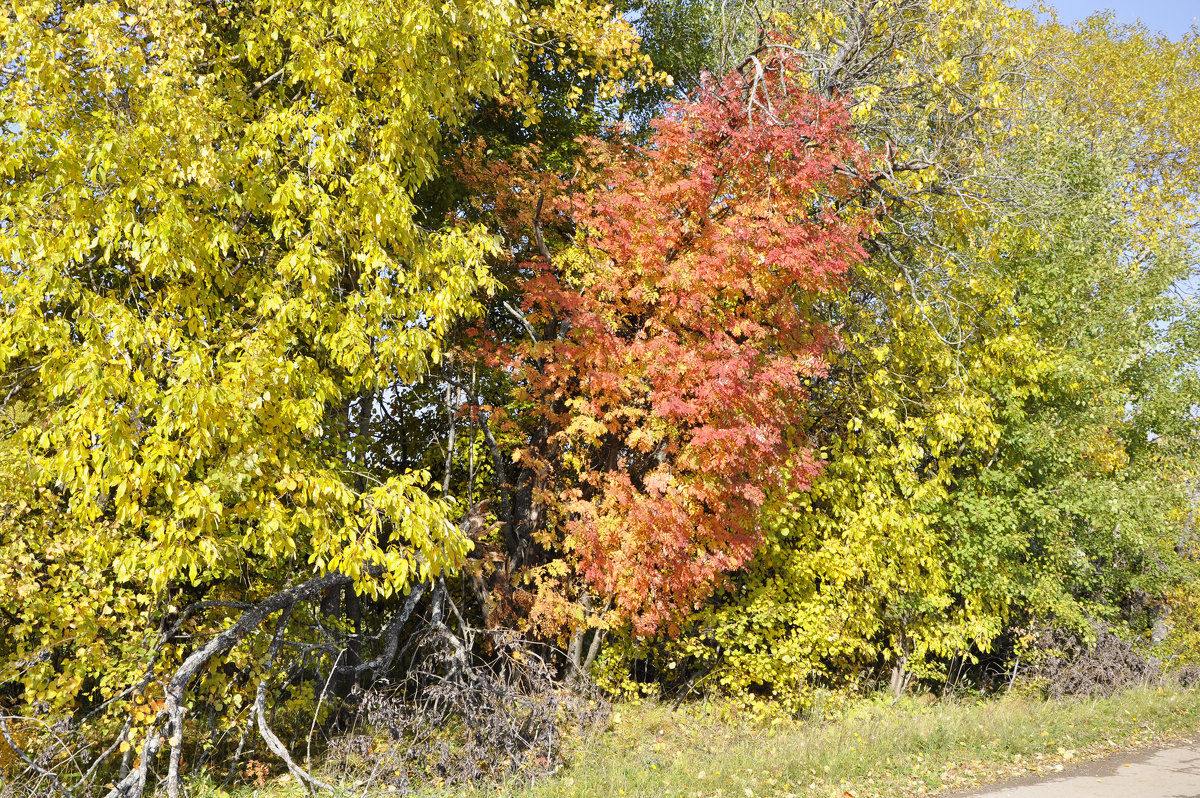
133,785
273,742
35,767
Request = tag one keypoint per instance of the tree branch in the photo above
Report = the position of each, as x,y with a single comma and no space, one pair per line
133,785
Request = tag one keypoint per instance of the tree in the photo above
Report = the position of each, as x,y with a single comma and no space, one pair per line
1133,91
847,563
658,356
214,261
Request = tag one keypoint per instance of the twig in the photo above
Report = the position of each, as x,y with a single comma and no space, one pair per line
519,316
317,711
262,83
87,777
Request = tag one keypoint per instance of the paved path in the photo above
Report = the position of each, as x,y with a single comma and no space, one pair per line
1165,773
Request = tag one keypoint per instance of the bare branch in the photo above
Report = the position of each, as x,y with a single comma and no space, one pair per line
34,766
133,785
273,742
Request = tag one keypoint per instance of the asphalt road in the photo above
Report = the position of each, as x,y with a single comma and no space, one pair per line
1165,773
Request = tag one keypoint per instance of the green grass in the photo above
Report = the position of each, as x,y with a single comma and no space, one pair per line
913,748
877,750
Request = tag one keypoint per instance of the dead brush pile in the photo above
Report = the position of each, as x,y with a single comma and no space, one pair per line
456,720
1066,664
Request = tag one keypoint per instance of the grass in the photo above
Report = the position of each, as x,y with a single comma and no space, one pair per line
876,750
913,748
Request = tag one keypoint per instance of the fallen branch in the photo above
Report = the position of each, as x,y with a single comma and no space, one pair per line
273,742
391,634
35,767
133,785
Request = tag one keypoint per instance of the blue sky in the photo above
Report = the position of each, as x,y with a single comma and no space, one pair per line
1172,17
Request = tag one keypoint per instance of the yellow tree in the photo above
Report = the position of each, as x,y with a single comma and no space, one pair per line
1123,85
214,257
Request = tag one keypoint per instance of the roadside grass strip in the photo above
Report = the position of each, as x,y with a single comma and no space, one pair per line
874,749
